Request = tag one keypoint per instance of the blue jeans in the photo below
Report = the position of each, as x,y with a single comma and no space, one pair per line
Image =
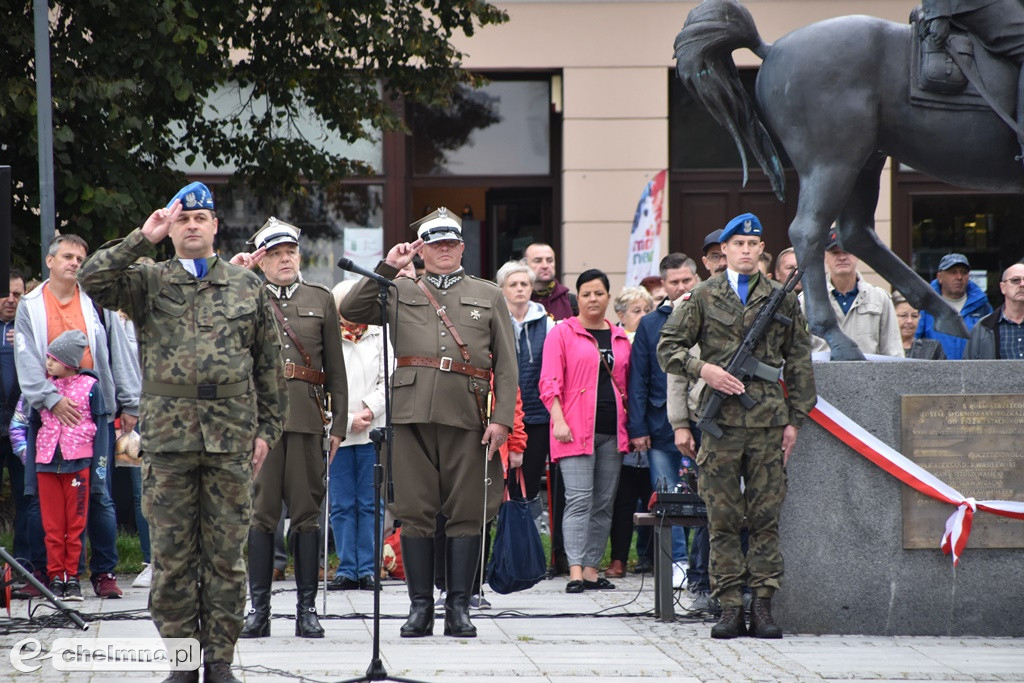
141,525
351,492
102,522
665,466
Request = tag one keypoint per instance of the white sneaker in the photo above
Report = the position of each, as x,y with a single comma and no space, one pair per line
144,579
679,575
477,601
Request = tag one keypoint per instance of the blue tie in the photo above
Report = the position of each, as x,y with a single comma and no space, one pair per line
201,268
742,285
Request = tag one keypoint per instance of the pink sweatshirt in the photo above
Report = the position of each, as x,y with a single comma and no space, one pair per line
569,373
75,442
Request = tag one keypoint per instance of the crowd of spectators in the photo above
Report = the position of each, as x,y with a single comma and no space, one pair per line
604,425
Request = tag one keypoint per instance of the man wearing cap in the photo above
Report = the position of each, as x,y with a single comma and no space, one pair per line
864,312
713,259
953,283
454,336
314,365
755,443
214,399
56,306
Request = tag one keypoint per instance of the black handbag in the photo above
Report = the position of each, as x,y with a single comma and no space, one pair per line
517,558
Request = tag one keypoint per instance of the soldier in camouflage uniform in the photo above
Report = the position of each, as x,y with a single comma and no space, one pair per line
294,471
439,396
756,443
213,403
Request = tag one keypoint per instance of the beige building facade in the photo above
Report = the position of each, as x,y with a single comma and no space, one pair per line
614,60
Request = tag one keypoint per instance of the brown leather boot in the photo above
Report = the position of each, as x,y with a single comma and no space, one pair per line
731,625
761,623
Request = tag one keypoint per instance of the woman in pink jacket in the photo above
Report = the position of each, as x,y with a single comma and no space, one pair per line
582,383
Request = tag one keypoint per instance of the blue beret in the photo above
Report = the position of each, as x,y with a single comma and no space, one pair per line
744,224
194,196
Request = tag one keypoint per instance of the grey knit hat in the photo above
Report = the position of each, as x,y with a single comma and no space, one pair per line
69,348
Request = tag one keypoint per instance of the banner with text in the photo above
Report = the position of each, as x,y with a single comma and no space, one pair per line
645,237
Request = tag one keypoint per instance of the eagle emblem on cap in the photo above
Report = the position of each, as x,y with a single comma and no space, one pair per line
190,199
747,225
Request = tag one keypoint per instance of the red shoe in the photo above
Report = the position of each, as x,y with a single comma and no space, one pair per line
105,585
616,570
28,591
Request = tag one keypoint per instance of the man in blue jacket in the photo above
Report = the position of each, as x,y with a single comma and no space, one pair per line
953,283
648,425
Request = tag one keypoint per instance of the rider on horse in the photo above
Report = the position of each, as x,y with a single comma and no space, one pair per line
998,24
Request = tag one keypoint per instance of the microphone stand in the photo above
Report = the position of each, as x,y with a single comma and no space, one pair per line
71,614
382,437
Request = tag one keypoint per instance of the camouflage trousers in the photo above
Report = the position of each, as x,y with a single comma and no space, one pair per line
755,454
198,506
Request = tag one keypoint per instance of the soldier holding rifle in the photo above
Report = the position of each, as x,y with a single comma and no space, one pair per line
757,421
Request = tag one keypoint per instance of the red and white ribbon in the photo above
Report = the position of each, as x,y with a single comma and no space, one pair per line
958,526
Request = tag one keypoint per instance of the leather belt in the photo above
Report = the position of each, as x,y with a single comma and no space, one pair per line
201,391
293,371
445,364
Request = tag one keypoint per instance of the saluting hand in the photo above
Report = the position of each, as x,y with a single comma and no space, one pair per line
402,254
248,260
159,223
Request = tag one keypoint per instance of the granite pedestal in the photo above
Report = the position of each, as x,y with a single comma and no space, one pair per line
841,533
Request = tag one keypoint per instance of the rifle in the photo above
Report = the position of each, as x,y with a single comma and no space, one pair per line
743,366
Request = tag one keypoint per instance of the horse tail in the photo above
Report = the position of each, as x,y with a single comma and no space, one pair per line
703,51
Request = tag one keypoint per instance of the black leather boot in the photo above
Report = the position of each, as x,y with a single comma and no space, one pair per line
462,558
261,574
307,565
731,625
418,560
762,625
218,672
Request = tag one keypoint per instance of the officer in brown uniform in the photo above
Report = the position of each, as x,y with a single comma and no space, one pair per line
453,334
314,364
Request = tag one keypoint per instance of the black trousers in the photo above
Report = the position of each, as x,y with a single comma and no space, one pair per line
632,496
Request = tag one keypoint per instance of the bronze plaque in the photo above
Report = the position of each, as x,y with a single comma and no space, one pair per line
975,444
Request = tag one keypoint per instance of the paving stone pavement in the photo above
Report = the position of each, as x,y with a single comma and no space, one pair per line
540,635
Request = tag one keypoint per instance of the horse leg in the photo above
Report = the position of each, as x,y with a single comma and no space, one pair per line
857,233
822,194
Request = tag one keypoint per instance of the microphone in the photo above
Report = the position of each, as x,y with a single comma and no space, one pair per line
347,264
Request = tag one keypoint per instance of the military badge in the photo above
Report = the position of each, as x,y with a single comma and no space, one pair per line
474,314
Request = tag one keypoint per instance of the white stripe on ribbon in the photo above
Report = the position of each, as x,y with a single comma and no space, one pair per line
958,526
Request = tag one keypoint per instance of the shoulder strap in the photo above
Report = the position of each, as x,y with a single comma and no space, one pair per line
443,315
484,414
290,332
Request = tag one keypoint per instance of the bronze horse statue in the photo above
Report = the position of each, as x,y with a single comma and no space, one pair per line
836,95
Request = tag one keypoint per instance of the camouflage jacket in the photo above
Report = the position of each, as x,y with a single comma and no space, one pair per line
310,312
215,331
713,317
478,312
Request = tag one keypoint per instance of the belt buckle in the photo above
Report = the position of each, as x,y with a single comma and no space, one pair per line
206,391
445,367
289,370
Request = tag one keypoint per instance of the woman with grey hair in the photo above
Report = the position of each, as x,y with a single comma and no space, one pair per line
630,305
907,318
531,324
